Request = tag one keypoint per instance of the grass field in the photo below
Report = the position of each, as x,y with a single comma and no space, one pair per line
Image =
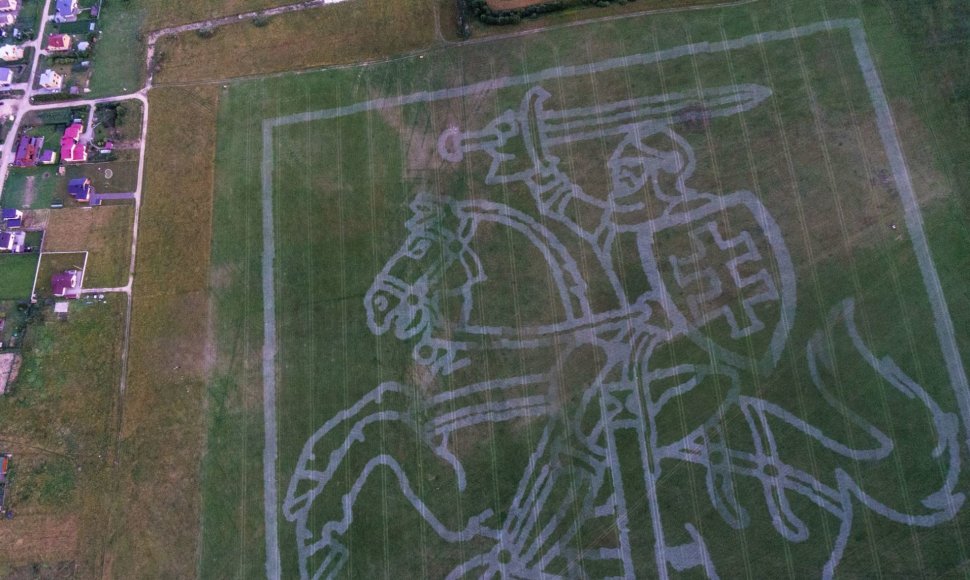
104,232
813,156
319,37
59,423
17,275
157,532
119,58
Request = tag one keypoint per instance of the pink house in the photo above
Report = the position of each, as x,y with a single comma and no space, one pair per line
66,284
72,151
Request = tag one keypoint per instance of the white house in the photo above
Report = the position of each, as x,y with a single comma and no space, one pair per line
10,52
50,79
10,5
6,77
12,242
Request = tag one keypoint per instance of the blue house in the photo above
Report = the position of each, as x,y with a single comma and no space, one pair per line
12,218
66,11
80,189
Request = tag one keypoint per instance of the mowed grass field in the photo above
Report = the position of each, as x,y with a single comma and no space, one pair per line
811,153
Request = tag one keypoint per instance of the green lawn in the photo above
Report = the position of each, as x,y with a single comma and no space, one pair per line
31,188
342,189
17,275
118,65
30,14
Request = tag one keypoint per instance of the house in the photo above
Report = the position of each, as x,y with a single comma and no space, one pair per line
48,157
72,150
13,242
80,189
11,53
7,19
9,5
66,11
12,218
28,151
59,43
6,77
66,284
51,80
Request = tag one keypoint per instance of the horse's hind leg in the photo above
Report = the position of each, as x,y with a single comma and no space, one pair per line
378,434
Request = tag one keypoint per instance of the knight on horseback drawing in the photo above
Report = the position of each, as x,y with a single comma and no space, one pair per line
718,275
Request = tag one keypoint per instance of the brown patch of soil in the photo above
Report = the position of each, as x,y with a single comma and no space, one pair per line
420,144
499,5
27,539
30,191
422,377
222,276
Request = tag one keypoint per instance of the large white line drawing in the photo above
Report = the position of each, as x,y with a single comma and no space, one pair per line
407,308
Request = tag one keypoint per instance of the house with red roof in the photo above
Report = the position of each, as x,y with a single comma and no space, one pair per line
28,151
59,43
66,284
72,150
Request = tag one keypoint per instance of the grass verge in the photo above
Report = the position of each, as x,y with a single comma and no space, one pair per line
162,434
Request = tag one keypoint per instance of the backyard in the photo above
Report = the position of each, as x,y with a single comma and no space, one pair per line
105,233
17,275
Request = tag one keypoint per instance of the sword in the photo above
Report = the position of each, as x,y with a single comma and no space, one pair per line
539,128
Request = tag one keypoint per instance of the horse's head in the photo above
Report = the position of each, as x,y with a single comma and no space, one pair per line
406,295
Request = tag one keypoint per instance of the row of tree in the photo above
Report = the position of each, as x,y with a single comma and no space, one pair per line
486,14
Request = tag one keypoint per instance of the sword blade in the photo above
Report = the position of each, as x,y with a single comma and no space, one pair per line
647,114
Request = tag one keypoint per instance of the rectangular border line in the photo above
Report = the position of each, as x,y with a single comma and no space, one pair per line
887,131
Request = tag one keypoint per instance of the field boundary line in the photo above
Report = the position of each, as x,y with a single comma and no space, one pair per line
270,501
914,224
